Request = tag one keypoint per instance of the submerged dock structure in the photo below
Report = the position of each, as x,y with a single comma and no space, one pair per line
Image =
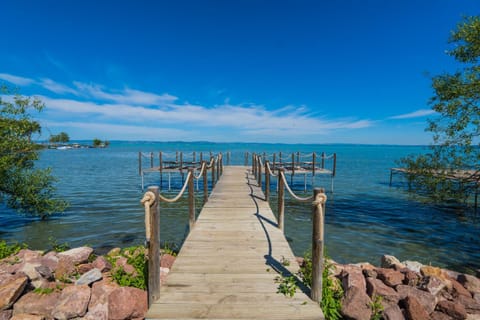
235,255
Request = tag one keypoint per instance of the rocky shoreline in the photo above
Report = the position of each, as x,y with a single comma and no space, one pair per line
76,284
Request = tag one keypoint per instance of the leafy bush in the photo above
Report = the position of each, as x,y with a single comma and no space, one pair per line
7,250
136,258
332,292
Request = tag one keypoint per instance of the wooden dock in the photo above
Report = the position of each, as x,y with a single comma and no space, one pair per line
228,265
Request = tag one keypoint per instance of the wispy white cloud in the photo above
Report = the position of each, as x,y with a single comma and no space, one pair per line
55,87
16,80
125,96
416,114
95,108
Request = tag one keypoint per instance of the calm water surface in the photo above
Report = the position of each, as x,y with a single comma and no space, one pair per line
365,217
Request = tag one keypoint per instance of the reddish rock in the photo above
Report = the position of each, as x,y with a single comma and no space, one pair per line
128,268
352,276
471,305
127,303
369,273
470,283
102,264
437,315
30,256
459,290
390,277
65,268
376,287
428,271
356,304
50,260
99,312
163,275
37,304
432,284
25,316
393,312
84,268
167,261
77,255
411,277
6,314
100,292
425,298
454,310
11,291
72,303
414,310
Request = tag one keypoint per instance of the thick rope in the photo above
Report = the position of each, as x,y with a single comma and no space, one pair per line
270,170
162,198
204,165
212,161
147,200
320,199
292,193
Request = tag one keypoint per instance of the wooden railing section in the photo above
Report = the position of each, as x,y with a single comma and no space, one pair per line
151,201
318,200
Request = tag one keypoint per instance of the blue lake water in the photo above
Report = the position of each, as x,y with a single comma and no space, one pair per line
365,217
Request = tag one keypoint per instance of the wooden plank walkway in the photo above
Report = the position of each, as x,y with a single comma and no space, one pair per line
226,268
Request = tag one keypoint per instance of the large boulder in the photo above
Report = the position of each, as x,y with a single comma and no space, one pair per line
89,277
376,287
98,306
77,255
390,277
65,268
414,310
356,304
11,291
388,261
454,310
352,276
425,298
37,304
393,312
471,283
72,303
127,303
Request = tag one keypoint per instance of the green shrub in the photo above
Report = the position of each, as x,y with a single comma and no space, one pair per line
332,292
7,250
136,258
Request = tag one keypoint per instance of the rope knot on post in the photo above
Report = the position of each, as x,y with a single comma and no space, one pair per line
147,201
320,198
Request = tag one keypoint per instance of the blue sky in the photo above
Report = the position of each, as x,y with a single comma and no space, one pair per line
348,71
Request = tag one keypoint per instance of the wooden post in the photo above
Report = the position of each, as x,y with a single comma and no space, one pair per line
154,250
160,168
219,158
201,156
293,163
259,173
151,159
140,163
254,162
318,216
194,157
323,160
228,158
334,164
314,160
205,183
191,200
181,160
213,173
281,199
274,156
280,158
267,182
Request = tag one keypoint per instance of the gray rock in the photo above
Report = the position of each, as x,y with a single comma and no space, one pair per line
413,265
432,284
390,262
89,277
45,272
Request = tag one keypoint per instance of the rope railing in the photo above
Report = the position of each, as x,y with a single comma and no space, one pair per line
151,200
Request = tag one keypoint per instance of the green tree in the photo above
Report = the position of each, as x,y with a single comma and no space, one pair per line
62,137
22,186
450,170
97,142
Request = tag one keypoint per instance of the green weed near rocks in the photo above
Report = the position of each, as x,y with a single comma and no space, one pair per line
332,292
287,285
136,258
7,250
